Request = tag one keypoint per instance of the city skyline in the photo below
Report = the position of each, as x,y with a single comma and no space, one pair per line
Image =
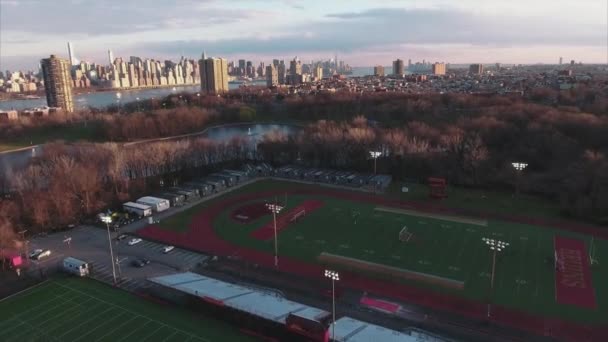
363,33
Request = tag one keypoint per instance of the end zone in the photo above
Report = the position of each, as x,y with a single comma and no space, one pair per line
573,284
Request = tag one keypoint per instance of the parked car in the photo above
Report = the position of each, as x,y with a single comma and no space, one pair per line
122,237
39,254
140,262
168,249
34,254
134,241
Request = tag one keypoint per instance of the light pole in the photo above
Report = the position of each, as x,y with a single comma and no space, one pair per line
107,220
333,275
375,155
118,262
495,246
68,241
519,168
275,208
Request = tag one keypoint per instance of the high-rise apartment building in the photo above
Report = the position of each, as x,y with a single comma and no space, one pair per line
378,70
214,75
476,69
318,72
398,67
438,69
282,71
272,76
57,83
295,71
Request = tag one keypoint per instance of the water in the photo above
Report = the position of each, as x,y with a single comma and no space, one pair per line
107,98
255,132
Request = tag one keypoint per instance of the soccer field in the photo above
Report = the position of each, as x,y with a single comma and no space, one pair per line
447,247
73,309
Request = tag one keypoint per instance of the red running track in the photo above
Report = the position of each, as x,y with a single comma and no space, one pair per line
573,284
381,305
202,237
266,232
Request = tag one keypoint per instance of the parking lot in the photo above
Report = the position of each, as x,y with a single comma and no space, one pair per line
90,244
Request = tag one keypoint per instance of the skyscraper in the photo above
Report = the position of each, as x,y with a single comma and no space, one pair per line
110,58
295,71
71,54
561,60
272,76
214,75
398,68
57,83
378,70
282,70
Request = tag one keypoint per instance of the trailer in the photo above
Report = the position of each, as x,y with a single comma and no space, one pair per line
189,195
229,178
157,204
179,199
240,175
75,266
216,185
138,209
218,182
204,189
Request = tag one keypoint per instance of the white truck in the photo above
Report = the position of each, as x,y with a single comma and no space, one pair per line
157,204
75,266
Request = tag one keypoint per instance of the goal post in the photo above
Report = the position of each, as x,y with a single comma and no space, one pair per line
404,234
297,215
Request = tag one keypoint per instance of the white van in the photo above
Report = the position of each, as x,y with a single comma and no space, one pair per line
75,266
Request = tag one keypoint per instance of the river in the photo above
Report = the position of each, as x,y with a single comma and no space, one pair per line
103,99
18,159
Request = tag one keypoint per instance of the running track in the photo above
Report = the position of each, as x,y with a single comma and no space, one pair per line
202,237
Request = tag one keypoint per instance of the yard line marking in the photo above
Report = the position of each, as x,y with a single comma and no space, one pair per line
101,325
70,309
116,328
133,313
397,257
38,332
167,338
151,334
86,321
134,330
344,246
37,307
31,290
16,317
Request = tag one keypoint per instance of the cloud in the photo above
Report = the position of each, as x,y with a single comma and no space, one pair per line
390,27
94,18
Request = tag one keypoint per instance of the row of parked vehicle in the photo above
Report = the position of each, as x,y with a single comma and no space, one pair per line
186,192
378,182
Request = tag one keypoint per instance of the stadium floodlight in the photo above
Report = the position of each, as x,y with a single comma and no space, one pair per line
334,276
107,220
375,155
275,209
519,166
495,246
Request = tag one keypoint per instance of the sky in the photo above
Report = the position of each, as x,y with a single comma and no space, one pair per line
363,33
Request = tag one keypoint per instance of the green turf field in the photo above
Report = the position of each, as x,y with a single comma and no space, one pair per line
524,271
74,309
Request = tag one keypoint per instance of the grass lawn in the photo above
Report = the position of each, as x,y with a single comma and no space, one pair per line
481,200
69,133
70,309
524,272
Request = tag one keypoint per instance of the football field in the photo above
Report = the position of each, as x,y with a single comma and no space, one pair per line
434,245
73,309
